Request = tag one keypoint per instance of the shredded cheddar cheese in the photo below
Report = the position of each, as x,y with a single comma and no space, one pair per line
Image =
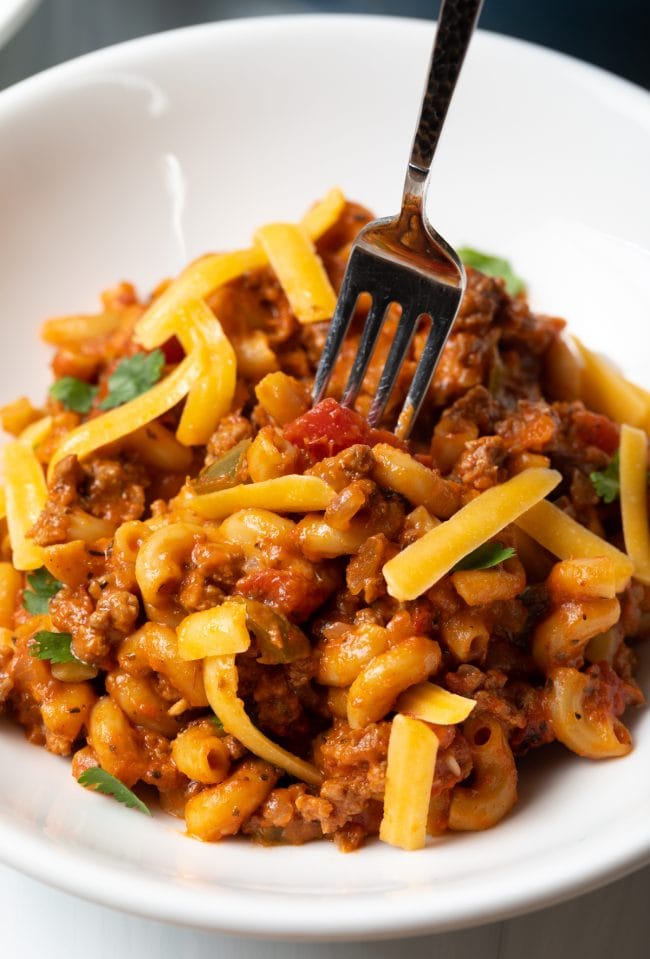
123,420
197,281
220,678
410,767
568,539
211,396
36,432
324,214
634,499
26,493
299,269
205,275
604,390
433,704
285,494
220,631
423,563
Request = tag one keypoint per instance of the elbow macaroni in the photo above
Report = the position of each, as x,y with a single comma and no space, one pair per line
242,589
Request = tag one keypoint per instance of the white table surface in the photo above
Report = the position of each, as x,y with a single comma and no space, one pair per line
36,921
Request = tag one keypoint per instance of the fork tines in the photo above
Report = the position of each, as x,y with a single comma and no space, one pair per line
418,294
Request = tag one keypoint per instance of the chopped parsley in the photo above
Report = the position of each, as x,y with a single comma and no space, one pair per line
133,376
75,394
43,586
493,266
53,646
607,482
214,719
485,556
98,779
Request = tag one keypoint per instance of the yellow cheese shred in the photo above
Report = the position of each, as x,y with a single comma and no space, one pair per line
410,767
299,269
208,273
433,704
36,432
219,631
568,539
634,499
604,390
284,494
211,396
26,493
122,420
197,281
644,396
324,214
424,562
220,679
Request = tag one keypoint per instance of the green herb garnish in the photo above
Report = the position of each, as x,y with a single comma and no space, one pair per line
53,646
484,557
75,394
133,376
214,719
43,587
493,266
607,482
98,779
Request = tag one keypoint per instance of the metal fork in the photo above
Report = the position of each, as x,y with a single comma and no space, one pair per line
402,259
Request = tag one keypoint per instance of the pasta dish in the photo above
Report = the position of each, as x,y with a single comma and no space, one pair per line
292,626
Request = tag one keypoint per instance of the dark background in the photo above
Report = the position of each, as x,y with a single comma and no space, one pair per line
614,34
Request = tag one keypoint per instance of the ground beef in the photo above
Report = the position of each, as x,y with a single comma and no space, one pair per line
97,619
278,820
353,762
232,429
212,571
364,571
480,466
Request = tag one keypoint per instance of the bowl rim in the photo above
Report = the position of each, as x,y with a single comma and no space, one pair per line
12,20
80,872
95,59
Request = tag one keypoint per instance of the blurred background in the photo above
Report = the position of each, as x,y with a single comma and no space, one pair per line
614,34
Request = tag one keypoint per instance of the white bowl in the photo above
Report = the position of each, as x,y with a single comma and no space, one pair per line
126,163
13,14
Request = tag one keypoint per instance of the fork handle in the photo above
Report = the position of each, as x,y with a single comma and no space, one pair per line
456,24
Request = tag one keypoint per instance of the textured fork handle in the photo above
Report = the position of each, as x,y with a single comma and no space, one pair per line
456,24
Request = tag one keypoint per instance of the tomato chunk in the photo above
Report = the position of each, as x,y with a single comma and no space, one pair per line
330,428
327,429
592,429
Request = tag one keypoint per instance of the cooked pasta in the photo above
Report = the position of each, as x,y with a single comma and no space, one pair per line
289,624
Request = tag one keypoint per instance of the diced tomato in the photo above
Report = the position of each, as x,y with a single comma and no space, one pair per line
592,429
329,428
286,591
